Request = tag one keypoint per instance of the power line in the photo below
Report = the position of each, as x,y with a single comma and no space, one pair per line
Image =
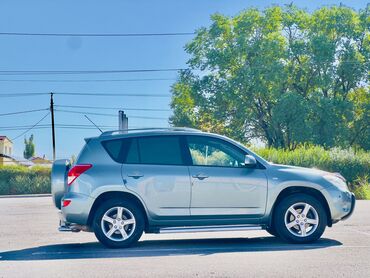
31,127
114,108
109,115
48,125
10,95
169,34
41,72
65,127
51,72
22,94
112,94
23,112
88,80
57,127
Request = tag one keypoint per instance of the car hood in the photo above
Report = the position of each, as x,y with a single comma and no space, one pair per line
298,171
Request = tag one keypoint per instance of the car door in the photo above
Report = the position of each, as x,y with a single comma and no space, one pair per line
154,169
221,184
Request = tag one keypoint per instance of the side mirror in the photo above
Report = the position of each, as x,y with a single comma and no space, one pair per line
250,161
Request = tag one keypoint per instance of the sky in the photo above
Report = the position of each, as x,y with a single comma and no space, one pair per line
68,53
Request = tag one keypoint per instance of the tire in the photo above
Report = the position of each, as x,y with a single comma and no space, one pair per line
271,230
293,225
117,231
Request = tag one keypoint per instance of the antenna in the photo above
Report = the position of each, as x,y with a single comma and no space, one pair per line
93,123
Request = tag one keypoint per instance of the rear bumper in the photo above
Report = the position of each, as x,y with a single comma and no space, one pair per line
78,210
65,226
353,204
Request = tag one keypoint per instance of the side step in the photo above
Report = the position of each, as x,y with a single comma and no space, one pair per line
68,229
73,228
199,229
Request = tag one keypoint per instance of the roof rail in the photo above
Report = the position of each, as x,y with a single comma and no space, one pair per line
124,131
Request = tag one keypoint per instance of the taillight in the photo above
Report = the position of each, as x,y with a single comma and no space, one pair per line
66,203
76,171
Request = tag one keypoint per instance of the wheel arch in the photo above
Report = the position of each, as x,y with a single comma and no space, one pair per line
117,195
301,189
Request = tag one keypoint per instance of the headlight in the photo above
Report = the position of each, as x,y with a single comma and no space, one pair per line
337,181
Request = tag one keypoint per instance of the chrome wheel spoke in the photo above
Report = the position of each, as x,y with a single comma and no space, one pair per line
111,231
306,209
291,224
312,221
108,219
119,212
303,230
129,221
123,233
293,211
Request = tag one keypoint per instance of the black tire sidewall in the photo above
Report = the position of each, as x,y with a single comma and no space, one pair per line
271,230
283,206
139,225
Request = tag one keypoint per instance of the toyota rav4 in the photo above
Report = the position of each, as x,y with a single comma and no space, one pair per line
124,183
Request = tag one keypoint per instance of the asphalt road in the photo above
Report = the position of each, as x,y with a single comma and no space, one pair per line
31,246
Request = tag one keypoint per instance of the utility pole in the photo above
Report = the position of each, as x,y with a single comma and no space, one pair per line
52,123
122,121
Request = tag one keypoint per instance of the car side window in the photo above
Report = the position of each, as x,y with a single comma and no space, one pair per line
207,151
160,150
132,154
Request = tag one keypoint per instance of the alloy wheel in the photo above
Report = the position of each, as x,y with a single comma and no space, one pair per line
118,223
301,219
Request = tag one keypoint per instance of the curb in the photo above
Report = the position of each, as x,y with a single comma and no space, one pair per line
25,196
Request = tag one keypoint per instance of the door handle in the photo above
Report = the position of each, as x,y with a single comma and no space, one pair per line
135,175
200,176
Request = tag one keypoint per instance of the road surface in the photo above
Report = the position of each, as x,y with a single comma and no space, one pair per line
31,246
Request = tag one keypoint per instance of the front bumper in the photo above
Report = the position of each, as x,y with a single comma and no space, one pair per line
353,204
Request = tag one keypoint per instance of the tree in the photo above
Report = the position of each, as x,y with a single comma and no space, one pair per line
29,149
283,75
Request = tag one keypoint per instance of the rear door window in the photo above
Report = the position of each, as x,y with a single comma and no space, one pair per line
132,154
161,150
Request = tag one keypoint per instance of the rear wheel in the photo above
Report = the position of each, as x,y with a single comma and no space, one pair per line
300,218
118,223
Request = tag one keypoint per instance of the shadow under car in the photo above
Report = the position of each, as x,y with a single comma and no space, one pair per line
158,248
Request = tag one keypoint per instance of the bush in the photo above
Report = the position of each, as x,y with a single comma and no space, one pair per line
21,180
361,188
353,165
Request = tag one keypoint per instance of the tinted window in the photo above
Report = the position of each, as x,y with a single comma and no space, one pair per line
206,151
115,148
132,155
164,150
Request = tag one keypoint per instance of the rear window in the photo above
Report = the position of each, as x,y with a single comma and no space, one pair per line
116,148
160,150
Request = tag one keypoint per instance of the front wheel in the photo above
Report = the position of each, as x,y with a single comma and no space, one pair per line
271,230
300,218
118,223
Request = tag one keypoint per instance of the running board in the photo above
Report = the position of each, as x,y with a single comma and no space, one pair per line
73,228
199,229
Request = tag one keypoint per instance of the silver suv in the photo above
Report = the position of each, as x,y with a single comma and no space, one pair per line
184,180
